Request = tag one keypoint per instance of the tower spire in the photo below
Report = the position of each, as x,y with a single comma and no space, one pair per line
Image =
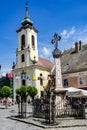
26,13
26,18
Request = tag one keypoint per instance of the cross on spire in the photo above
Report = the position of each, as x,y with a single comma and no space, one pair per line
27,17
26,13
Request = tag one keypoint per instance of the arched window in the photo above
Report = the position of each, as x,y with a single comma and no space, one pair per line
41,79
22,58
33,41
22,42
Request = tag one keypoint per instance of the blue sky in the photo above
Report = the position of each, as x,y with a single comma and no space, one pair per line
68,18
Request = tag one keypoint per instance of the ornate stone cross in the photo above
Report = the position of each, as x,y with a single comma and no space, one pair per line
55,40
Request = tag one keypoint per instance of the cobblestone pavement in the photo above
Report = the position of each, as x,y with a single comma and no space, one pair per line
9,124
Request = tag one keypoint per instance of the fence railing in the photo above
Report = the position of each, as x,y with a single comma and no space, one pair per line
42,110
69,112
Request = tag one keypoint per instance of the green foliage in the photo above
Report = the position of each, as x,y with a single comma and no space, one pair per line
32,91
24,91
6,91
18,92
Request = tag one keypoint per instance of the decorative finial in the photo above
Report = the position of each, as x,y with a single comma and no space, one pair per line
27,18
26,13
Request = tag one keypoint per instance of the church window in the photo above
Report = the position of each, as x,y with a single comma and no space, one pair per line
33,41
22,58
41,79
22,42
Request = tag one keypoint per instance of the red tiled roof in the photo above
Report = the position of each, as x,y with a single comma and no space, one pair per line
45,63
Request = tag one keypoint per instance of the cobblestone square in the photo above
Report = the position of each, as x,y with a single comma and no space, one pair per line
9,124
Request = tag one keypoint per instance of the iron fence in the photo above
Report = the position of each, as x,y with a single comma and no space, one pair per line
41,109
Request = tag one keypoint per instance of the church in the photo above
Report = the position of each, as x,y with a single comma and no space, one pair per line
30,69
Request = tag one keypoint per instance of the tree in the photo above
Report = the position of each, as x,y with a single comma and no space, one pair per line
21,94
18,91
32,91
21,98
6,92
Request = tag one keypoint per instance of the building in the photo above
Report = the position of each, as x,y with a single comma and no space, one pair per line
30,70
74,66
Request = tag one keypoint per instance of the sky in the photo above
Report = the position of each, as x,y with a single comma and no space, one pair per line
67,18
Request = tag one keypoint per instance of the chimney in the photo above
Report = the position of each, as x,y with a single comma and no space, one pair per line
76,47
80,45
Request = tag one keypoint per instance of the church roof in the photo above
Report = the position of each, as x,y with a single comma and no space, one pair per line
41,63
45,63
73,60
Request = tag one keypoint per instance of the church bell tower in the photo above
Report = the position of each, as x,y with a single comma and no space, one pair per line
27,50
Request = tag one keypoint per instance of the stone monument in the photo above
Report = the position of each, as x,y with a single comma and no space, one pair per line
59,90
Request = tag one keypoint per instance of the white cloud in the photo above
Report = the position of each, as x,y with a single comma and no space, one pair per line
72,31
66,34
46,51
74,35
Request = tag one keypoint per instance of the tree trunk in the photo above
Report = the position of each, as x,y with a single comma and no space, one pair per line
23,108
6,104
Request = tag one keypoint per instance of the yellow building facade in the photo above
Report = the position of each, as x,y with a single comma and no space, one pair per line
30,70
